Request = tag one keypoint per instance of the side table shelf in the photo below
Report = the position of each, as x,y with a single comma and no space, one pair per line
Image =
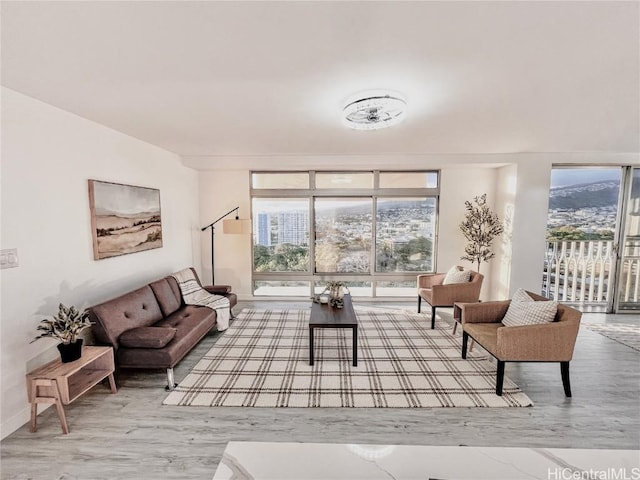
62,383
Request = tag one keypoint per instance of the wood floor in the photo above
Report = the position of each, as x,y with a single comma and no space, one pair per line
131,435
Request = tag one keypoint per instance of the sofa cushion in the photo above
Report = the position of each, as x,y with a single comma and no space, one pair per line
191,322
457,274
426,293
147,337
138,308
174,287
486,334
521,295
524,310
166,296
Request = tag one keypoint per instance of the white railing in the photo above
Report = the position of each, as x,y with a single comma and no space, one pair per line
581,272
630,275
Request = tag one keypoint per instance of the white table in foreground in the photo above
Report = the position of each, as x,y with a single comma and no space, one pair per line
306,461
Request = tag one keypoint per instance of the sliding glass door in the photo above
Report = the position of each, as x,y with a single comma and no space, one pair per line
628,298
593,238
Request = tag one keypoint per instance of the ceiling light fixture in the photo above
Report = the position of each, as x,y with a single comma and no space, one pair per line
375,111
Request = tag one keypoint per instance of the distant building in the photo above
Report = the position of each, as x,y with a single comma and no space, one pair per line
293,228
264,229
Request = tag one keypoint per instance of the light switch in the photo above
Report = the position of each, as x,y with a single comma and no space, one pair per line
9,258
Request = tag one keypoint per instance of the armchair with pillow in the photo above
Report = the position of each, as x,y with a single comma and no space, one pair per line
527,328
445,289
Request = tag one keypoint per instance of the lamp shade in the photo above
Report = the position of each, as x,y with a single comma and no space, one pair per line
236,226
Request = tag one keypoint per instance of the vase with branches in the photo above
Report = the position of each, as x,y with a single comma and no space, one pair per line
480,226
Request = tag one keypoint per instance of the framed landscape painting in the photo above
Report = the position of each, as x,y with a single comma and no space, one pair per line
124,219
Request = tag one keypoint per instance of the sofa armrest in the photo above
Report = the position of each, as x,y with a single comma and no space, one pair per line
428,280
486,312
548,342
218,289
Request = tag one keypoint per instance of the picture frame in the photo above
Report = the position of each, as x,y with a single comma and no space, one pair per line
124,219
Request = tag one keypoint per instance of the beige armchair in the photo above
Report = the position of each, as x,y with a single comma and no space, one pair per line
431,289
548,342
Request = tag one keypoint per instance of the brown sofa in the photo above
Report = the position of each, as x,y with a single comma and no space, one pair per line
548,342
151,327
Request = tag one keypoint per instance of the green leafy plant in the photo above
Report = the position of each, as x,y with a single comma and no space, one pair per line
65,326
480,226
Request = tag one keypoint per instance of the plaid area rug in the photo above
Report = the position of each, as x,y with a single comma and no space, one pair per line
262,360
628,335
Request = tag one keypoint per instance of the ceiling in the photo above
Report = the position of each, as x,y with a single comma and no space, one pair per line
210,79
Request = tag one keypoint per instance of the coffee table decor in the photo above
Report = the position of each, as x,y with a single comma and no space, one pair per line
333,294
263,361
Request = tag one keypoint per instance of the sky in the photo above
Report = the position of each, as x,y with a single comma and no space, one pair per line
125,199
561,177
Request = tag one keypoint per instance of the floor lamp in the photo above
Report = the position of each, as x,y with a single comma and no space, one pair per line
233,226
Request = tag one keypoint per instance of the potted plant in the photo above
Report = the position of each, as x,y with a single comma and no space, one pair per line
480,226
66,326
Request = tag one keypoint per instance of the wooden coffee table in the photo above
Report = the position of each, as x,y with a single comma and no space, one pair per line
325,316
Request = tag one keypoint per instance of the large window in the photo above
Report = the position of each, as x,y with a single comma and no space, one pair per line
281,235
404,234
373,230
343,235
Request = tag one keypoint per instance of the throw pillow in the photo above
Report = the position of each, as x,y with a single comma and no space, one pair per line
521,295
456,275
147,337
524,310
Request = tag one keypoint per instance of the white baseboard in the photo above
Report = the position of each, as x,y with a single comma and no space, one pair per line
20,419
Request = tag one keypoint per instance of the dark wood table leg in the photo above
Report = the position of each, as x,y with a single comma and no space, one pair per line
310,345
355,346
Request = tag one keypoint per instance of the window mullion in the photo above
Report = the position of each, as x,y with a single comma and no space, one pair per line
312,240
374,234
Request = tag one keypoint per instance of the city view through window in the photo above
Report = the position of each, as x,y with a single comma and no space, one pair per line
374,243
583,203
580,257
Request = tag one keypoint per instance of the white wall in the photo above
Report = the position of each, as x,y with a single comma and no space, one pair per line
47,157
457,186
219,193
506,182
222,190
530,213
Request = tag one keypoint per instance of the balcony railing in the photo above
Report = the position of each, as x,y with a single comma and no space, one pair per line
630,275
582,271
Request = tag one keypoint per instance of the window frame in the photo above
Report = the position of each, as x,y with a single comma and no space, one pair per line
374,193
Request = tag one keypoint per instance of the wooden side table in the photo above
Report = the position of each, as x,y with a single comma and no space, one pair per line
457,319
61,383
